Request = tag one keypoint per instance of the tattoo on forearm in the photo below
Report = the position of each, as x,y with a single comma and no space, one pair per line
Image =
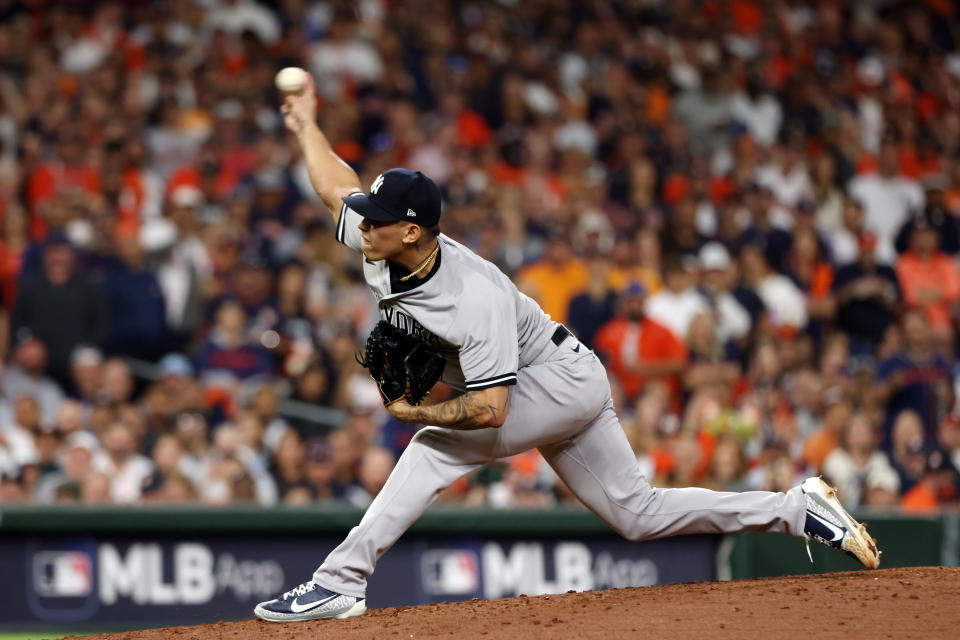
468,411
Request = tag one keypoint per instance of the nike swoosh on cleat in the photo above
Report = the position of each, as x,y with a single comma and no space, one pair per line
300,608
576,349
837,531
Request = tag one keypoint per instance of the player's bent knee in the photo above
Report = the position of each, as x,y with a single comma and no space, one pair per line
636,514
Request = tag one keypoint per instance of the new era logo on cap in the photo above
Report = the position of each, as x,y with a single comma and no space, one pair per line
399,194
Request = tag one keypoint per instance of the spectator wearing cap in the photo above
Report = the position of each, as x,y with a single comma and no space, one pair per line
773,241
75,462
676,305
928,278
86,373
867,296
134,300
251,286
597,305
638,350
228,349
175,375
274,199
681,236
24,376
733,319
556,278
60,291
888,200
185,267
916,378
881,489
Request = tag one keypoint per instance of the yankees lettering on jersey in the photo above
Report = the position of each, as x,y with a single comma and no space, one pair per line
407,324
468,309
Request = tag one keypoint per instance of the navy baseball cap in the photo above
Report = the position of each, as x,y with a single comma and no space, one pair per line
399,194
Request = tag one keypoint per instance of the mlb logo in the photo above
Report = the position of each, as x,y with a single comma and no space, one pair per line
62,574
450,572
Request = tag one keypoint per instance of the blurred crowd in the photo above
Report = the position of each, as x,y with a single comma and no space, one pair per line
750,210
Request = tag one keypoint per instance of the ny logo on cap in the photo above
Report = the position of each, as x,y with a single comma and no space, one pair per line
377,184
411,213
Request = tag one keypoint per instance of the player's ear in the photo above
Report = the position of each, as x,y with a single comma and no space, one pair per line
412,234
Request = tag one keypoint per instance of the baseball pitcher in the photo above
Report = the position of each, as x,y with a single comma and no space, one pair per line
523,380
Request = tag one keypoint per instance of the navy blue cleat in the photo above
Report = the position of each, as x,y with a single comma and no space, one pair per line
829,523
310,601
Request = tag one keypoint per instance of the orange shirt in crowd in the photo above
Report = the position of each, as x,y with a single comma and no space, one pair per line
619,277
822,280
554,286
818,446
626,343
920,499
938,274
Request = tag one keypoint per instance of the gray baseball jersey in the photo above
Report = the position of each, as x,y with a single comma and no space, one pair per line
560,403
466,307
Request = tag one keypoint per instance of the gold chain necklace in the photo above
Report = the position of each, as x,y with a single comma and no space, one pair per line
433,254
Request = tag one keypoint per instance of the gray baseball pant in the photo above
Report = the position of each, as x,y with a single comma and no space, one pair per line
562,407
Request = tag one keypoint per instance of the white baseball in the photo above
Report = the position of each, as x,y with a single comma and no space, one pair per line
291,79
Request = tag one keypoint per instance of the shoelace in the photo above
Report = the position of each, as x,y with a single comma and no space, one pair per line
299,591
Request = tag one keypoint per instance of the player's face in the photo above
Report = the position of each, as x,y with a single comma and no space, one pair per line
380,240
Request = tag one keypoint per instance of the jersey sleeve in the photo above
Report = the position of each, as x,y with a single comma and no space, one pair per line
489,351
347,231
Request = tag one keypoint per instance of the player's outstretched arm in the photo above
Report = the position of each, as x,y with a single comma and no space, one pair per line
329,174
473,410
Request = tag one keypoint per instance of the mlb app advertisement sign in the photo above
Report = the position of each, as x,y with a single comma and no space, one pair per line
503,568
177,581
74,580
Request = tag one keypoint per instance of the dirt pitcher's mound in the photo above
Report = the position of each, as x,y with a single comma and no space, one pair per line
919,602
